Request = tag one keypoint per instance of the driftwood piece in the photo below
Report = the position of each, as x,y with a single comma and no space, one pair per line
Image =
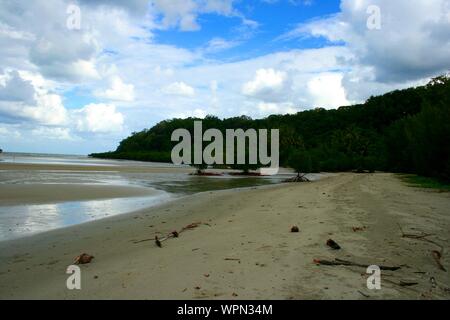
333,244
83,258
339,262
437,257
191,226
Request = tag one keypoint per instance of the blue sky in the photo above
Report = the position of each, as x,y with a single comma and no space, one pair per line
79,76
274,19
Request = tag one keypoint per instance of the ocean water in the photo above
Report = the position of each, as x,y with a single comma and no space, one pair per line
25,220
76,160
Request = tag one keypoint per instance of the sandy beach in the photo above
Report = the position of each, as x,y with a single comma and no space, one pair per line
244,248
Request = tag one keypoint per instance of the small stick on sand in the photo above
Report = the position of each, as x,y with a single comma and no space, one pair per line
339,262
232,259
363,294
157,242
407,284
414,236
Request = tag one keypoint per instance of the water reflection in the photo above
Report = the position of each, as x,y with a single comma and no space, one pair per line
19,221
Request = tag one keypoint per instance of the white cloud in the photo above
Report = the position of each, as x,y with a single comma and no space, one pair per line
326,91
21,101
197,113
268,85
413,42
219,44
65,55
184,13
118,91
49,110
53,134
266,109
14,88
8,132
99,118
133,6
9,32
179,89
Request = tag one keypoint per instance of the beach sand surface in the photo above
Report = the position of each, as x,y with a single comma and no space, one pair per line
244,249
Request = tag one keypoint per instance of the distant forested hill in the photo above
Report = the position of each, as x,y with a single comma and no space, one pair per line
402,131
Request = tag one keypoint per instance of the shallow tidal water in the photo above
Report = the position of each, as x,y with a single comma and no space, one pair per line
23,220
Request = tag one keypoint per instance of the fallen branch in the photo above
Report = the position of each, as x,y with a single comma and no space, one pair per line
437,255
339,262
173,234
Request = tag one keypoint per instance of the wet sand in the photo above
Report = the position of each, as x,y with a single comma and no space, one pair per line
245,249
22,194
87,168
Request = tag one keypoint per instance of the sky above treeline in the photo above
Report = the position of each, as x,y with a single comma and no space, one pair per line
77,77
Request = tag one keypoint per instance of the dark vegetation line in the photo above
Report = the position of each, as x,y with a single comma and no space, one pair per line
425,182
404,131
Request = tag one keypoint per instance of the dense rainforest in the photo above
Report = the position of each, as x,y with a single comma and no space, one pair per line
402,131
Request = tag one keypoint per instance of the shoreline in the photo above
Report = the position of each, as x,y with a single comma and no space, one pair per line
79,197
8,166
127,215
54,193
253,226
